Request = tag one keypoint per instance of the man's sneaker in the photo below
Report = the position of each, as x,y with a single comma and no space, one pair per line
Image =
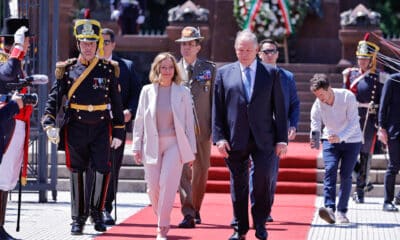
327,214
341,218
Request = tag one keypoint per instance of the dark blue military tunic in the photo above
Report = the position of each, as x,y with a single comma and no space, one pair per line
368,91
92,113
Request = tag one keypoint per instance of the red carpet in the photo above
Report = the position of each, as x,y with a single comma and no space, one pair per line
216,215
297,171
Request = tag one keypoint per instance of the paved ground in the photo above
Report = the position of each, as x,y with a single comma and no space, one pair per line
42,221
368,222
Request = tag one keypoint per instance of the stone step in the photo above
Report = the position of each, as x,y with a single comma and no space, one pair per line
124,185
310,67
379,161
335,79
376,176
378,190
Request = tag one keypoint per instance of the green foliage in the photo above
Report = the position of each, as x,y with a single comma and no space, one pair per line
390,15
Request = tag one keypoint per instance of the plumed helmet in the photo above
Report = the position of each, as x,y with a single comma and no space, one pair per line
87,30
366,49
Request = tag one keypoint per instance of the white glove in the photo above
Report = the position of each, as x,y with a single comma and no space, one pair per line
53,135
116,143
140,20
19,35
115,15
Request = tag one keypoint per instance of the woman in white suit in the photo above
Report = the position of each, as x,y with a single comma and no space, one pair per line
164,136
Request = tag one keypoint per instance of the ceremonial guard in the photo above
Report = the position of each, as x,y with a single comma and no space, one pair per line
15,132
92,124
366,83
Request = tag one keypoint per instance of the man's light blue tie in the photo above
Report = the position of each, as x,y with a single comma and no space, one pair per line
247,83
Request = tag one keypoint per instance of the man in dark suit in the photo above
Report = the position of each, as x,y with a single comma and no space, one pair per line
198,75
130,90
389,133
269,54
249,122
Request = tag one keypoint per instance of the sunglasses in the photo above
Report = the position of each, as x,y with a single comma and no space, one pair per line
269,51
107,42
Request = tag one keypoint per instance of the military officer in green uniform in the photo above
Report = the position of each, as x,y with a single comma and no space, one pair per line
199,76
92,124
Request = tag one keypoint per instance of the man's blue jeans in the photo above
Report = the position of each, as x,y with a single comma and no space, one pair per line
346,154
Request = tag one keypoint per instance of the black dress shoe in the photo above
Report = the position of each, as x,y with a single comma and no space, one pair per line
107,218
197,218
187,222
389,207
237,236
270,219
263,235
261,232
77,228
397,200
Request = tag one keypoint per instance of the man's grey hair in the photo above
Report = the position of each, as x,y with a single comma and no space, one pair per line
246,35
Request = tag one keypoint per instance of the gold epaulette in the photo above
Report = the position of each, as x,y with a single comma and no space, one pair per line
60,67
116,68
3,57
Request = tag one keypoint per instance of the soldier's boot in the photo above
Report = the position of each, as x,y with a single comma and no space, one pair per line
77,203
368,186
3,206
97,200
362,176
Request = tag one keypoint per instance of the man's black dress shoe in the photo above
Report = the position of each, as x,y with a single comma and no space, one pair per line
263,235
108,220
197,218
397,200
237,236
187,222
389,207
77,228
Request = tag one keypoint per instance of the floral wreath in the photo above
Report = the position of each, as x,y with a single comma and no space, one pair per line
274,19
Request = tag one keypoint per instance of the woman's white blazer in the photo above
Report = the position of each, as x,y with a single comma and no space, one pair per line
145,134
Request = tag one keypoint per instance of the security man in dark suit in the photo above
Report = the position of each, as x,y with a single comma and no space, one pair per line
366,83
389,133
198,75
93,121
130,91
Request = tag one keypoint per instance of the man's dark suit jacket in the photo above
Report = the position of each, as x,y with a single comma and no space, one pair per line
389,110
292,102
130,84
264,117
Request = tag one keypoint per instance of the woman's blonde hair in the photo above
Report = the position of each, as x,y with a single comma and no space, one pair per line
154,75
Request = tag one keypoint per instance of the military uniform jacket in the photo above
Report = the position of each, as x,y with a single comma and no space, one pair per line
201,86
367,88
98,88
